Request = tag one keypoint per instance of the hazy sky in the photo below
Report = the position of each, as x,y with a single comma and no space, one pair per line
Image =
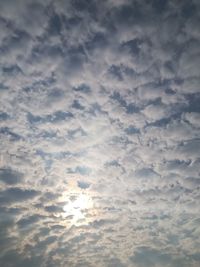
100,133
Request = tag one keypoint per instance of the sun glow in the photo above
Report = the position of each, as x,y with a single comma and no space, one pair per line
77,207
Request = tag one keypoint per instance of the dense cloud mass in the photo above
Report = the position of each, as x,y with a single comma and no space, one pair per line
100,133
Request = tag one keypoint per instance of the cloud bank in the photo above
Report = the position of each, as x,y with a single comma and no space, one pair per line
100,133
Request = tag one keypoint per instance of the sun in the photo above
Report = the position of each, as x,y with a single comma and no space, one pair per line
77,207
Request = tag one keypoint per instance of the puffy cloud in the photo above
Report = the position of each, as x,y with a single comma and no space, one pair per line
99,128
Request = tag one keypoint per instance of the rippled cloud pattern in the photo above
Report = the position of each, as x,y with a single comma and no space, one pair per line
100,133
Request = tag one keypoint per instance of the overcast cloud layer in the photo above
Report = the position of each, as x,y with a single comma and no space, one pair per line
100,99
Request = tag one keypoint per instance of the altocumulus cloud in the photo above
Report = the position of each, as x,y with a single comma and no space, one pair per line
100,133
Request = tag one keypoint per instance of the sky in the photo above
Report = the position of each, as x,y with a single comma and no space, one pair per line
99,133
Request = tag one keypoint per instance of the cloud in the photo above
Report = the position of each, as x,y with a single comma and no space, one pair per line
101,99
10,177
150,257
15,194
27,222
83,185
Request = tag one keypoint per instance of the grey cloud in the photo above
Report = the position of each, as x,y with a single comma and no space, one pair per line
47,241
76,133
114,262
84,88
145,256
3,116
51,118
56,94
193,118
30,221
190,148
146,173
16,194
102,223
130,108
54,208
83,170
13,258
55,24
77,105
13,136
10,176
83,185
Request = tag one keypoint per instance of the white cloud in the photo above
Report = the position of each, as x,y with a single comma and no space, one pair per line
106,95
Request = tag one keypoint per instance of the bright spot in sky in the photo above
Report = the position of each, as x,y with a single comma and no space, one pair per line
78,207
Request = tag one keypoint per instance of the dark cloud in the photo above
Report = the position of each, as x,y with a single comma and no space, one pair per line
3,116
10,176
54,208
16,194
55,24
77,105
30,221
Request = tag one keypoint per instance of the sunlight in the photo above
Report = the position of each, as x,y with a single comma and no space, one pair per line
78,207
